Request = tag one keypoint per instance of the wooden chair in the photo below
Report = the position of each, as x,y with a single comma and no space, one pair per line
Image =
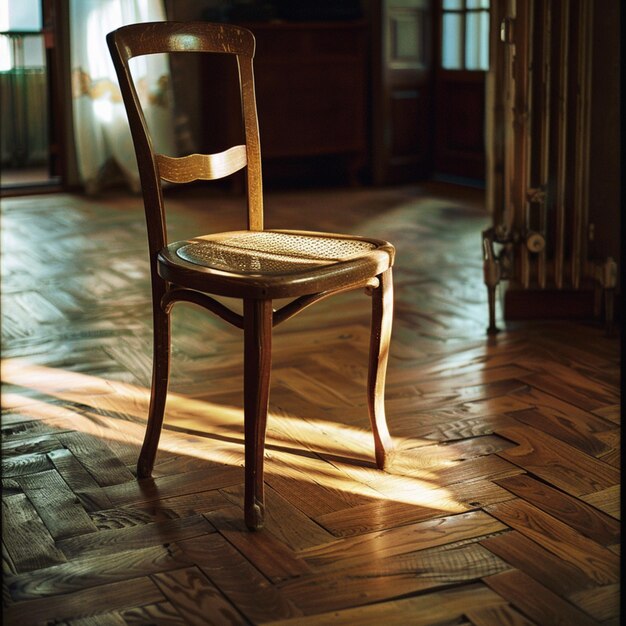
255,264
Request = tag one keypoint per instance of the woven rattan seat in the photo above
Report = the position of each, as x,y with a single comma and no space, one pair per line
271,251
256,265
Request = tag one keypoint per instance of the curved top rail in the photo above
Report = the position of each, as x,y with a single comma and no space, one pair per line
154,37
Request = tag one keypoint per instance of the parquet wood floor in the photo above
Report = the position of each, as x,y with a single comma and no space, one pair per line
501,506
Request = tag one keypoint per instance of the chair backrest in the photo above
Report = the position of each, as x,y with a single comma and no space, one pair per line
166,37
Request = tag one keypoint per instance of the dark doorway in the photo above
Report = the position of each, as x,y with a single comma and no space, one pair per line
429,66
462,60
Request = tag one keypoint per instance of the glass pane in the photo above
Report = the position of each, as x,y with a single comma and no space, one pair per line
477,4
407,39
24,98
451,53
477,41
34,52
451,5
23,51
6,53
483,55
20,15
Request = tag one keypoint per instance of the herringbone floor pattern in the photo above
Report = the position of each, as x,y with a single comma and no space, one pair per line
501,505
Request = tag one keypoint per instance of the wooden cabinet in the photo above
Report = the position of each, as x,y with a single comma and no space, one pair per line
311,85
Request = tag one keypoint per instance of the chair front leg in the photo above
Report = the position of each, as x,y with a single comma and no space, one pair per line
382,315
158,394
257,365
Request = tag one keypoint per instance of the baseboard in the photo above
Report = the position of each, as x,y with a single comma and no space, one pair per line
532,304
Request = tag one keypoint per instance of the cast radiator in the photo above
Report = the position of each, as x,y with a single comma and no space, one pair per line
540,89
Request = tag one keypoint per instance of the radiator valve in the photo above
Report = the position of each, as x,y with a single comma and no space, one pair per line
535,242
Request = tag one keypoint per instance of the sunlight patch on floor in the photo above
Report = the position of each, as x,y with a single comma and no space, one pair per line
113,410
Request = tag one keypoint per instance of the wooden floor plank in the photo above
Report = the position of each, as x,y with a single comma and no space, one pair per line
56,504
428,486
149,490
536,601
136,537
607,500
570,416
612,439
25,464
596,561
381,514
240,582
583,518
498,616
573,431
8,569
160,613
119,595
111,618
613,412
547,568
433,608
26,537
488,467
445,397
311,485
411,457
574,354
184,505
558,463
127,517
391,578
460,424
196,598
576,390
263,550
355,552
91,495
602,603
35,445
288,524
97,459
92,571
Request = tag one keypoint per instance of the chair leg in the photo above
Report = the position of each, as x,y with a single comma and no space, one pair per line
158,395
382,315
257,365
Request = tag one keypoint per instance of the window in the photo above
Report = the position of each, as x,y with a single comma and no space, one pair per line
21,44
24,126
465,35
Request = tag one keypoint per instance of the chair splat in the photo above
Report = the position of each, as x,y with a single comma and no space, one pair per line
192,167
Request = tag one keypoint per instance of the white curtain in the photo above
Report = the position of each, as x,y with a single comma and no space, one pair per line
104,148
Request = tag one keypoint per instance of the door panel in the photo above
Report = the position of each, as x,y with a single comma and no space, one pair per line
402,91
460,127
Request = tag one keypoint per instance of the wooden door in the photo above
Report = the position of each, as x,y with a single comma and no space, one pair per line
462,60
402,88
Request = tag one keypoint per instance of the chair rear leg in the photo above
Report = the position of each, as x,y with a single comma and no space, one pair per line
382,316
257,365
158,395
